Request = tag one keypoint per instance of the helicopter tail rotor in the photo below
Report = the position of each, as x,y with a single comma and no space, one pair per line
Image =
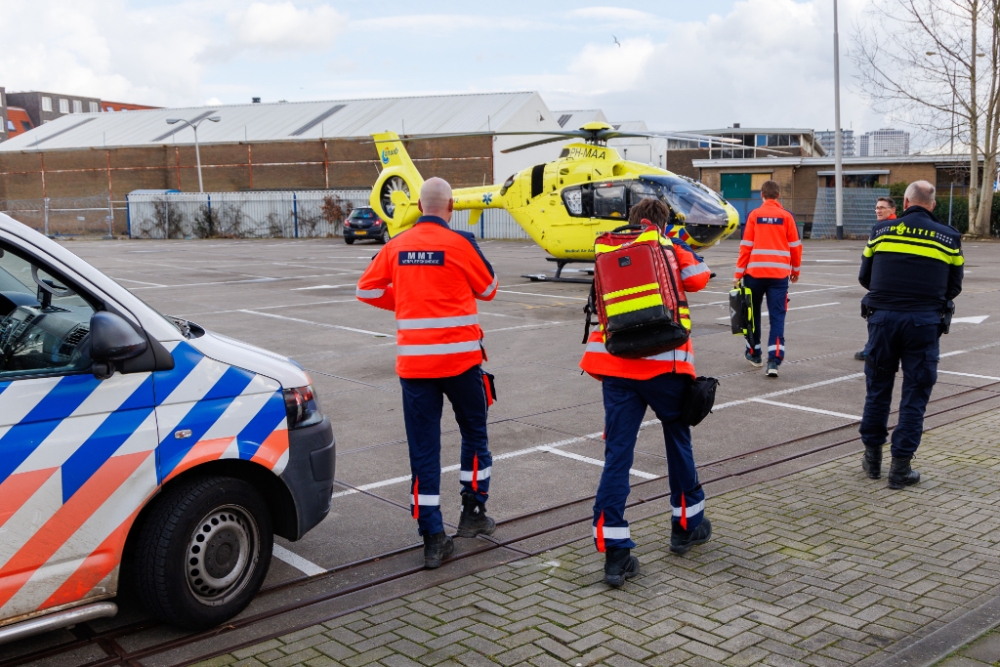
397,189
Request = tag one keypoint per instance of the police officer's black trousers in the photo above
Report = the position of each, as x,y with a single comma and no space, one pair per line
894,337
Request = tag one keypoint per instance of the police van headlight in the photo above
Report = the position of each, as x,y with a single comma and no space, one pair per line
301,407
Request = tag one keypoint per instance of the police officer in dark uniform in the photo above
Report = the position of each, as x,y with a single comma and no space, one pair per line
912,268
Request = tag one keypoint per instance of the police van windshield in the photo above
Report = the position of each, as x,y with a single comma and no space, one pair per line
693,203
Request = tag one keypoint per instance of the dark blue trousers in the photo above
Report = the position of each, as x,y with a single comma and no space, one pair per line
423,402
776,291
625,403
895,337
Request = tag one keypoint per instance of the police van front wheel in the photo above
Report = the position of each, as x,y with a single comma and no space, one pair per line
203,551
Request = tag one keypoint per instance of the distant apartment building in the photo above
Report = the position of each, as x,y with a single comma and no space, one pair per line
43,107
886,142
112,107
828,140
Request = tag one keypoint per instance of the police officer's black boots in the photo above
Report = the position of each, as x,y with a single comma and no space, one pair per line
871,461
901,474
474,520
681,541
619,565
437,547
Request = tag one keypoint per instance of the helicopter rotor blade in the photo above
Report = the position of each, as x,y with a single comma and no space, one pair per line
540,142
557,133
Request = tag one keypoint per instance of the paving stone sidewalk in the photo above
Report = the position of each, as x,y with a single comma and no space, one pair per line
823,568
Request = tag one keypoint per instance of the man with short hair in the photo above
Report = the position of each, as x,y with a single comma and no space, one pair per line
770,254
630,386
912,268
430,276
885,209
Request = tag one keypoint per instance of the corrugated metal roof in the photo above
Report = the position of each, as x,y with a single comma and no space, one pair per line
574,118
292,121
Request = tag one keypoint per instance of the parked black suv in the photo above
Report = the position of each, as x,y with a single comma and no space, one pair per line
364,223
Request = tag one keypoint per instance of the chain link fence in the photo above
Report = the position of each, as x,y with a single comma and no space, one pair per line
859,212
273,215
64,216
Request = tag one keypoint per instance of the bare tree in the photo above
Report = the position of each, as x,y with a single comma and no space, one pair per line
933,64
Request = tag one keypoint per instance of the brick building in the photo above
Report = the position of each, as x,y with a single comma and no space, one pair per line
45,107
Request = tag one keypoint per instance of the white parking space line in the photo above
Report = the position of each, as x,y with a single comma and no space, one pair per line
596,462
296,561
784,392
318,324
806,409
818,305
970,375
140,282
304,289
550,296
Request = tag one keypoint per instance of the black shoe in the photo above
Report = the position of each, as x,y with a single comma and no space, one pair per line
871,461
474,520
754,359
772,369
901,474
437,547
681,541
619,565
860,356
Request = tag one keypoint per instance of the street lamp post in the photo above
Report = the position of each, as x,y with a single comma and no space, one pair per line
839,142
197,152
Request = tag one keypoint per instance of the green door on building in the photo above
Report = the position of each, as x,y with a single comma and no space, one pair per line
736,186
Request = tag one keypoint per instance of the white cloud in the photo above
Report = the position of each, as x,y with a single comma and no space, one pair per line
283,27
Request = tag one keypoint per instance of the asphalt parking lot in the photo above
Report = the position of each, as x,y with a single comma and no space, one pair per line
296,297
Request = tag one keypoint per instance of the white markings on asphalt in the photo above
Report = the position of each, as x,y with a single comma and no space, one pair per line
298,562
974,319
318,324
970,375
783,392
303,289
807,409
536,325
596,462
140,282
818,305
550,296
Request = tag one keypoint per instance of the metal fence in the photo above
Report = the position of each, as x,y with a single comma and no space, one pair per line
859,212
283,214
64,216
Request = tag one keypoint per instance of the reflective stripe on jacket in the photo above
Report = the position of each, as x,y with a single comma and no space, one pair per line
771,247
599,362
431,276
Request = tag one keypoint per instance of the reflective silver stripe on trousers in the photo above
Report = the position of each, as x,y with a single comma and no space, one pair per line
437,322
617,533
442,348
747,243
694,270
671,355
369,293
428,501
466,475
691,509
489,290
794,244
768,265
779,253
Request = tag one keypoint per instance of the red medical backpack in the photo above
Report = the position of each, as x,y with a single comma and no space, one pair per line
638,294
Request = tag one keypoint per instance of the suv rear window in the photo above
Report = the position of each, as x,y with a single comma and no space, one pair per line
365,213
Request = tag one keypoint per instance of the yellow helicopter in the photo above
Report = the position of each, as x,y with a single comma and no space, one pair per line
564,205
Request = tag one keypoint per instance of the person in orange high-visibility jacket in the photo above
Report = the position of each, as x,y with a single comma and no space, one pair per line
770,253
431,277
630,386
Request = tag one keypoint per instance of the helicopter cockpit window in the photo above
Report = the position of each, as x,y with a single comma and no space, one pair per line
609,201
691,202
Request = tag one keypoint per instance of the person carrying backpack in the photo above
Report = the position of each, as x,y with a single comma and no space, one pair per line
630,385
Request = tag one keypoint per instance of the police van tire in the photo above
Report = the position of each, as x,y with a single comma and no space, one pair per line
348,241
203,552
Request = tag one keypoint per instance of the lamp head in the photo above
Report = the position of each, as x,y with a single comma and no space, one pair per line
214,119
171,121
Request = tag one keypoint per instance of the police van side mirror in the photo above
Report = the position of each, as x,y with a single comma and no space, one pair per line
112,339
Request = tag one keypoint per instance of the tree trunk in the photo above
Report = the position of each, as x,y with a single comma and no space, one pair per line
973,127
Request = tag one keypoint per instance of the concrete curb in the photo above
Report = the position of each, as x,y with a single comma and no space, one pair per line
947,639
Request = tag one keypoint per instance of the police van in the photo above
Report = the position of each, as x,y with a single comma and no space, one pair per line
139,451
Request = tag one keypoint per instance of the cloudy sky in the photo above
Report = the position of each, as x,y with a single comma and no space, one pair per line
680,65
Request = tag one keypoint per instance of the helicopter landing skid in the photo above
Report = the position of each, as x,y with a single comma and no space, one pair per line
558,278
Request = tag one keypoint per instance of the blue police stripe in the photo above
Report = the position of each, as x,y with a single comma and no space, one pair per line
262,425
232,383
185,359
23,438
108,437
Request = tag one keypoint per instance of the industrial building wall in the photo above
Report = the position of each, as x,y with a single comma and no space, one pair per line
333,163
